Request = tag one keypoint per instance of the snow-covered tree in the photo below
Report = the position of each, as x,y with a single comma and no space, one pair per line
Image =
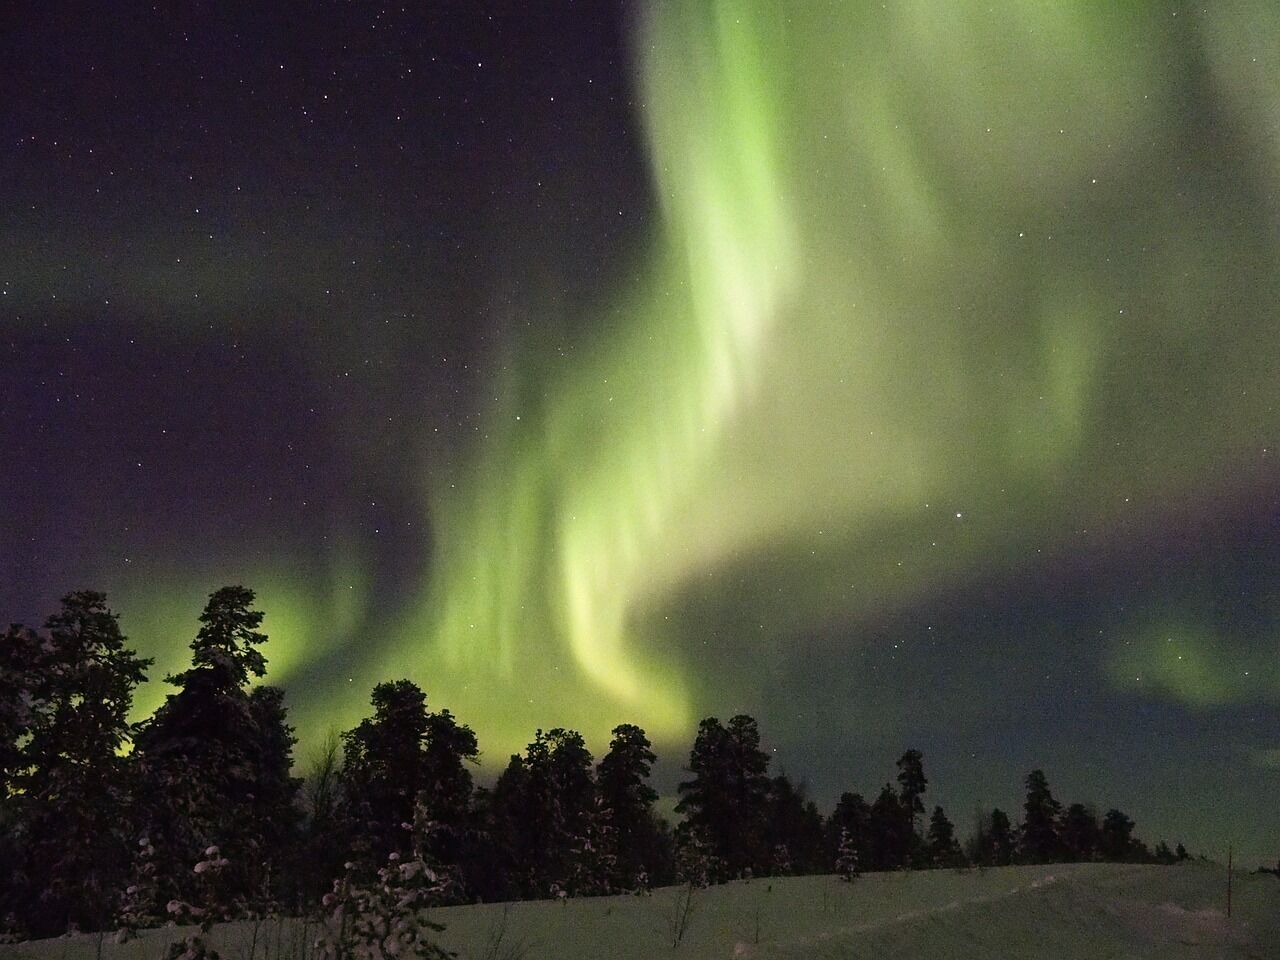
386,917
847,863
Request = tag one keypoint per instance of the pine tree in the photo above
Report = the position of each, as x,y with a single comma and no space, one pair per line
726,801
889,831
69,781
911,788
1117,843
1040,840
215,761
943,849
912,784
400,755
623,780
1080,833
544,804
25,671
1002,843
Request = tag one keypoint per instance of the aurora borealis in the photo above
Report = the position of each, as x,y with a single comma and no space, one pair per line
900,375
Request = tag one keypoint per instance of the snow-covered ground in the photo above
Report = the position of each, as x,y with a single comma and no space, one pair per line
1058,912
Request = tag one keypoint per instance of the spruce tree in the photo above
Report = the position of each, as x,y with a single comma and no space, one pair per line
1040,840
68,780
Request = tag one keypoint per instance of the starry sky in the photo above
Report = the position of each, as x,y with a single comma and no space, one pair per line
902,376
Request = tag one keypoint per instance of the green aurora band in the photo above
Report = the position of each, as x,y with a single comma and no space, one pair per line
935,290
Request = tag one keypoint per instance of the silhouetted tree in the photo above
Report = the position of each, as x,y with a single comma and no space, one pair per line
912,784
794,825
1003,842
403,756
1181,853
544,806
890,836
1080,833
214,761
1039,839
623,780
942,847
67,780
325,847
1117,843
727,798
851,820
25,667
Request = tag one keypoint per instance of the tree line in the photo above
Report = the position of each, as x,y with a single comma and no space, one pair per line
106,823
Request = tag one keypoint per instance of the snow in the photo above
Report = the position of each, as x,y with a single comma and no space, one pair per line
1060,911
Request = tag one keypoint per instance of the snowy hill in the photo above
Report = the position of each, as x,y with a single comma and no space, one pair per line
1060,911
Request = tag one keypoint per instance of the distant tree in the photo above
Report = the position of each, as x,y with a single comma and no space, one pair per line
889,829
1181,854
912,784
214,763
852,819
1163,854
727,798
623,780
942,847
1040,842
1003,842
67,778
1117,843
1080,833
993,842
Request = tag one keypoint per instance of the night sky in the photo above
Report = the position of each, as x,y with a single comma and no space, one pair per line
902,375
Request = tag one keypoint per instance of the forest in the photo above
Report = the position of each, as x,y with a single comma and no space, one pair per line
197,813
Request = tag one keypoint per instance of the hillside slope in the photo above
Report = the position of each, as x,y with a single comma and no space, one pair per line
1062,912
